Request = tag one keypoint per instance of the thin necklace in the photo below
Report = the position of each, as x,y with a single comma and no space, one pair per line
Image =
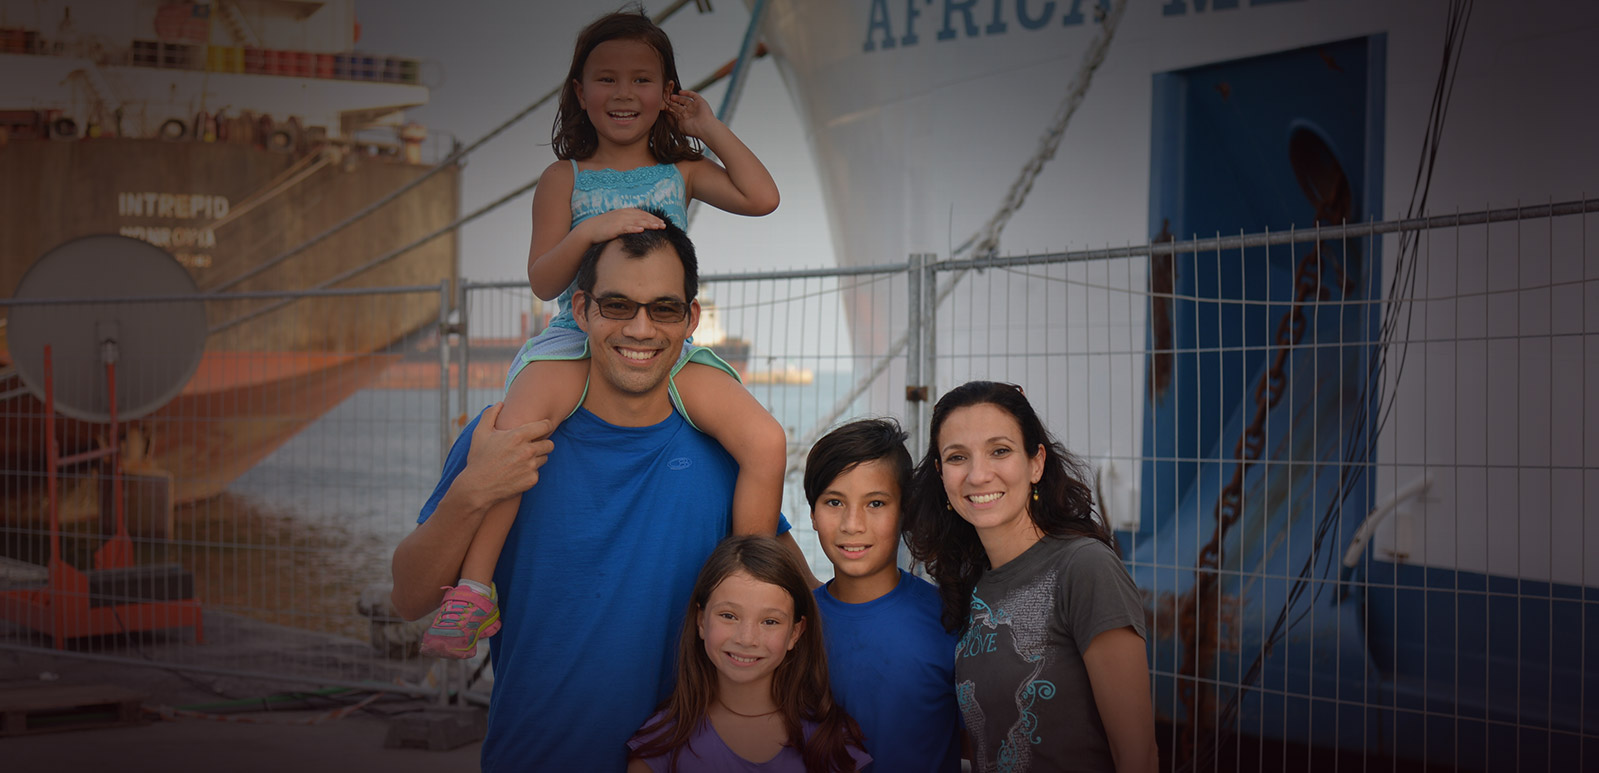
748,716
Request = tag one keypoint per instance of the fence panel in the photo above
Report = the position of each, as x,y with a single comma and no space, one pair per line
1350,469
267,494
787,333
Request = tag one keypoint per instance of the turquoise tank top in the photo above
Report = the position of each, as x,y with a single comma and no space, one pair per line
597,191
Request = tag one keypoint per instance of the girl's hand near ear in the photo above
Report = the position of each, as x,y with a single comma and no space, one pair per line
694,115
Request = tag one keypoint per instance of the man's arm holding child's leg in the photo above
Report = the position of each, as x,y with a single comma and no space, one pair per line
500,464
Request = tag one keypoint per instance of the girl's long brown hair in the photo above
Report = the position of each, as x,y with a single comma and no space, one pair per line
573,135
949,546
799,685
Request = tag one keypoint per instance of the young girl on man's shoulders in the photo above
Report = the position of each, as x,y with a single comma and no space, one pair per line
626,139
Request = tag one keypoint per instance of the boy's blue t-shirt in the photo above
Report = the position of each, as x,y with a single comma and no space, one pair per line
892,668
593,581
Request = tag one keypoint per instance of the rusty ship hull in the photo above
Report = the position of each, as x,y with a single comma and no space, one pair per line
261,381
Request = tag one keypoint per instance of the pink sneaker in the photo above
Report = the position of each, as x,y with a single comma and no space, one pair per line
465,616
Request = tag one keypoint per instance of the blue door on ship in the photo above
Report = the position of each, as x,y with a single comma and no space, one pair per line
1271,143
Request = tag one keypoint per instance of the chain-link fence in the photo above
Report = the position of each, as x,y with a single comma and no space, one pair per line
1351,469
259,497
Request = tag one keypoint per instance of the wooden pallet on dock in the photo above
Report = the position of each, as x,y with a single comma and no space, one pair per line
67,707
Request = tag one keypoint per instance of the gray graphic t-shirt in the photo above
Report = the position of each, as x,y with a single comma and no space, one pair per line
1019,674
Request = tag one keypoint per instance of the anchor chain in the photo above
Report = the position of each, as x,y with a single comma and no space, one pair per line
1199,612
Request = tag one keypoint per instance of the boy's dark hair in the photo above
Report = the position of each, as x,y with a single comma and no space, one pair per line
643,243
860,441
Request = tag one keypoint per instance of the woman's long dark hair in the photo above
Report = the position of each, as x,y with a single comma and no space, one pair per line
799,685
947,544
573,135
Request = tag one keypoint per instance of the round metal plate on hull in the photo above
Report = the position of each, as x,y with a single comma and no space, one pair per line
157,344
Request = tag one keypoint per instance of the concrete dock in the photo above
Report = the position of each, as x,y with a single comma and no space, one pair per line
328,731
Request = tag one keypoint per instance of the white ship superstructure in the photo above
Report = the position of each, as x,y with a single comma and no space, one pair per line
1226,117
128,68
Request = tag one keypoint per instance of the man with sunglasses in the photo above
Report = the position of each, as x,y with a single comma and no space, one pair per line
603,554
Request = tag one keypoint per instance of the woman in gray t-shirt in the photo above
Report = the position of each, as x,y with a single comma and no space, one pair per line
1051,672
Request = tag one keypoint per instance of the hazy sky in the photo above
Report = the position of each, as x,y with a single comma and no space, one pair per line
487,61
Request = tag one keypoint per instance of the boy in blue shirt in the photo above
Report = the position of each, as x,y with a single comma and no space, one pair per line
892,664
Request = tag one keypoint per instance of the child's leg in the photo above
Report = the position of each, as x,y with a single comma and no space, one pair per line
547,389
725,410
544,389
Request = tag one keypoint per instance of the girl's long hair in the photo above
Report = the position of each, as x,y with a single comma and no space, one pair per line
573,135
940,538
799,685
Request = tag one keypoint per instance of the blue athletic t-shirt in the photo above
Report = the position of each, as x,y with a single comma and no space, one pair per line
593,581
892,668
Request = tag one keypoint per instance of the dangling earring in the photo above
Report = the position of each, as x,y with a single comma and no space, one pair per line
1035,493
947,505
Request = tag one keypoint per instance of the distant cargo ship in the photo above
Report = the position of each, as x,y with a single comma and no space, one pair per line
226,133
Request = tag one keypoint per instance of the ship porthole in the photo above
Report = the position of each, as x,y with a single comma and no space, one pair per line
173,129
280,141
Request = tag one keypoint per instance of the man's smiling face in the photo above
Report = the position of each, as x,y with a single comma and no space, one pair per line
632,357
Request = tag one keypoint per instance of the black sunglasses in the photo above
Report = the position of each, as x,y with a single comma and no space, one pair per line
624,308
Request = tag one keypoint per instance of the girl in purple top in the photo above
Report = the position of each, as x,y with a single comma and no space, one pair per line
752,691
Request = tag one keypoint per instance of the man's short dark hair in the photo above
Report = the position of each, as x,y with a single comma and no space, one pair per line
858,442
643,243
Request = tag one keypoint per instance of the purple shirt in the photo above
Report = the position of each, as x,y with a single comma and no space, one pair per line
706,752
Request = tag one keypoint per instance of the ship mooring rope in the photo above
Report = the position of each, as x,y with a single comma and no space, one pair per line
172,713
450,227
986,239
1401,290
450,161
447,228
297,173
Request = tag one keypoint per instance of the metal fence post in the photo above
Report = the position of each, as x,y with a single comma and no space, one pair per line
913,351
444,372
463,327
929,354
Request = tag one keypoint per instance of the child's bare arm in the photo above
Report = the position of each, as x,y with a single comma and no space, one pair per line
545,391
744,187
500,465
725,410
557,248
